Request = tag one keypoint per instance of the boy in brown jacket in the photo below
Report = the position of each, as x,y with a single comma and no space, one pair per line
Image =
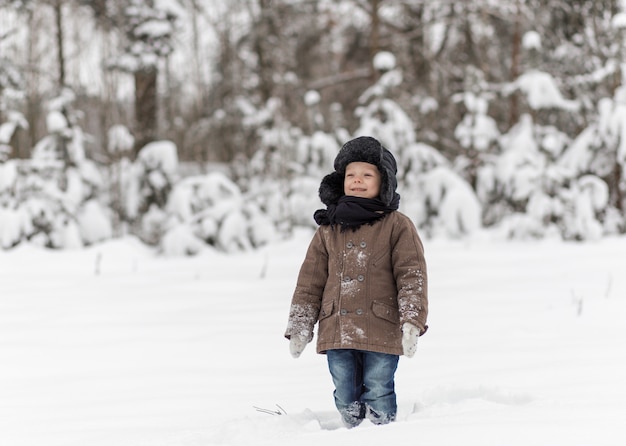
364,280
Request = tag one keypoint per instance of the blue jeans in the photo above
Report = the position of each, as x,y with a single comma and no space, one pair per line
364,385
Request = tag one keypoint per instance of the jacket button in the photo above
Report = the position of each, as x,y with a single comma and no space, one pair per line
359,311
347,279
349,245
360,278
343,312
363,244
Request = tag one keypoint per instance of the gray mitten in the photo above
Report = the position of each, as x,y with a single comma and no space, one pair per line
296,345
410,334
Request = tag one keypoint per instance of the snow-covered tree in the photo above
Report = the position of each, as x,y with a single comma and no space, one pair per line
52,199
265,177
146,185
527,132
314,157
600,150
434,195
211,210
380,116
477,133
526,186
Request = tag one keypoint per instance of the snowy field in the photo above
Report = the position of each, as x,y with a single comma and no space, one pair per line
115,346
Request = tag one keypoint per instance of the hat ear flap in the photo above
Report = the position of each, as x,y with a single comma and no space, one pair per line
331,188
388,185
388,180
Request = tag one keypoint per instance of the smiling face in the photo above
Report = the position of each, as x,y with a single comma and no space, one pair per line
361,180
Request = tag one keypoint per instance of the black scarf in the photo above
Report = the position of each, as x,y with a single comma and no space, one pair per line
353,212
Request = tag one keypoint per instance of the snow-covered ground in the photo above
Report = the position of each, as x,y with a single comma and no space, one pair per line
113,345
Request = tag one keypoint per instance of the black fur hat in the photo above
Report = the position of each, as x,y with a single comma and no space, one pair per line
364,149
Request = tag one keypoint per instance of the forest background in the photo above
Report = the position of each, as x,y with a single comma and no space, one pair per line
191,123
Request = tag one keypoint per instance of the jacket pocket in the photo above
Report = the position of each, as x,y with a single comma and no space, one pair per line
326,310
386,312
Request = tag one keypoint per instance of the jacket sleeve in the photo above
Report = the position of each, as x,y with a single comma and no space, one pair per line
409,266
307,297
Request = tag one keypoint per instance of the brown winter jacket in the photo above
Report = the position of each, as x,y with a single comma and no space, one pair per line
361,286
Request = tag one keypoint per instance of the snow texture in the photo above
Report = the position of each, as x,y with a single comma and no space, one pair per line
116,345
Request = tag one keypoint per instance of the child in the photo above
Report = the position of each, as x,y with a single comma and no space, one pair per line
364,280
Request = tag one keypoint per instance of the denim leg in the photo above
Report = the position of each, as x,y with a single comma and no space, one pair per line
379,394
346,369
